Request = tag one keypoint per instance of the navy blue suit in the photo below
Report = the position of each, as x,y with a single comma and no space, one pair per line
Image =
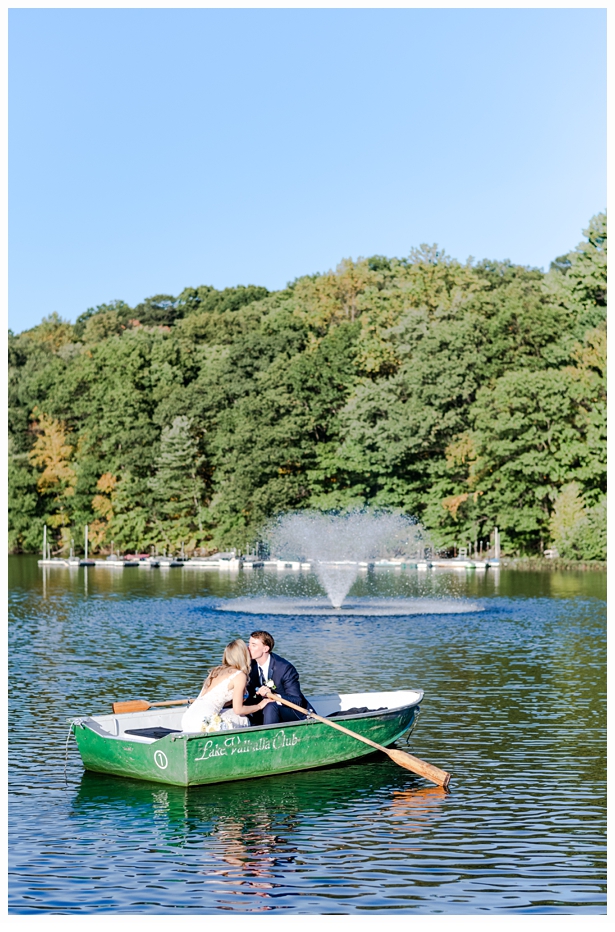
286,680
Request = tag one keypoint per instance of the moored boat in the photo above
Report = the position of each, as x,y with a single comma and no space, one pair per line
150,745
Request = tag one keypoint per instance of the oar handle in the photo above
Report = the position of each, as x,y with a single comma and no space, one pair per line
409,761
327,721
173,702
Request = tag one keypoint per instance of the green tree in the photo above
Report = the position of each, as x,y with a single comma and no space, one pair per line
26,517
577,532
530,437
177,486
577,281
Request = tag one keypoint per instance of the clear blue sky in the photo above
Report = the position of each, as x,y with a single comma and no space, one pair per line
151,150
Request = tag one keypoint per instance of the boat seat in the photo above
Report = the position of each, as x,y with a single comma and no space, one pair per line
157,732
356,711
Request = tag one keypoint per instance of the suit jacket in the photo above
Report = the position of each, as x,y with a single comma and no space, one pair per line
285,677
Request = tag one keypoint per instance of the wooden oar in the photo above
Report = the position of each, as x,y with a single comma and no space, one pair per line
423,769
140,705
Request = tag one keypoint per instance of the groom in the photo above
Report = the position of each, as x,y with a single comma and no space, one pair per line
268,668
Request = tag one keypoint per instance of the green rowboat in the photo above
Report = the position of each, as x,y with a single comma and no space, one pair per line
161,752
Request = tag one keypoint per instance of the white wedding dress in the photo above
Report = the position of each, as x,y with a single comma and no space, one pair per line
211,704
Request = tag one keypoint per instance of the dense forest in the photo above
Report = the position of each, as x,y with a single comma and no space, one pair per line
468,395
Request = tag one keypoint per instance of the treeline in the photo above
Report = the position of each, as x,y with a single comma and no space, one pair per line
469,395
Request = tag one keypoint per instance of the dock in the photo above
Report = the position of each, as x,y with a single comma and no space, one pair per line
239,563
231,561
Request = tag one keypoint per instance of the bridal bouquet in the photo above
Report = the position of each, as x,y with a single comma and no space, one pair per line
211,723
215,723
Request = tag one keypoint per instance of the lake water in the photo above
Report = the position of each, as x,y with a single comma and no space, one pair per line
514,708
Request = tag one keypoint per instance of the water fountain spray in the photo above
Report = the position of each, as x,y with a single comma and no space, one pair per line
338,544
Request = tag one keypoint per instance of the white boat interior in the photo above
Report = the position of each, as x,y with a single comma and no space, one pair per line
119,725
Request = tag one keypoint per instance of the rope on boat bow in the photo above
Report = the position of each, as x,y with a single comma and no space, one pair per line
71,731
415,720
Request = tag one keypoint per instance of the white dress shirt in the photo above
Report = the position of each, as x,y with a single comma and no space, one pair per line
264,668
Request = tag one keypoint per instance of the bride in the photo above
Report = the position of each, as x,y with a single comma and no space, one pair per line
224,683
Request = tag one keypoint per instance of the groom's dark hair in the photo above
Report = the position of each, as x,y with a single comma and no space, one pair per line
265,637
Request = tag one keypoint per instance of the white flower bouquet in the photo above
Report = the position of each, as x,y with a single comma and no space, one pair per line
211,723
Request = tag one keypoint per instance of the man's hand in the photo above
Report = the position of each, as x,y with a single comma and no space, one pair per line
264,691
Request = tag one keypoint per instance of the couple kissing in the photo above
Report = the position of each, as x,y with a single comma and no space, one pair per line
242,690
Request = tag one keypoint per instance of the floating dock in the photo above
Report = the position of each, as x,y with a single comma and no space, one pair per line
69,561
231,561
237,563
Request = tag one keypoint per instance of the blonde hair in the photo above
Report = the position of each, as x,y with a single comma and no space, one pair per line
235,656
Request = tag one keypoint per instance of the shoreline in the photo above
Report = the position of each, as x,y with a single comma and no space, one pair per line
559,563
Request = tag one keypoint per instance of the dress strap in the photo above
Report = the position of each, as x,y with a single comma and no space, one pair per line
224,683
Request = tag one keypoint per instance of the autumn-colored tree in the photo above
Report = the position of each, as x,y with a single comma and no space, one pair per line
102,506
51,453
323,300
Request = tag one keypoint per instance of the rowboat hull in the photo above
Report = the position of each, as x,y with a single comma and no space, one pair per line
193,759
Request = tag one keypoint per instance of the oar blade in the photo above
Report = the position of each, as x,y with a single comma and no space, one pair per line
420,767
133,705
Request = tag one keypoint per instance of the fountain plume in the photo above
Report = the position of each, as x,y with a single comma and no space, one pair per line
337,544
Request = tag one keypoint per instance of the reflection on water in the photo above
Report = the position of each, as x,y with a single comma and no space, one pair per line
514,707
412,809
251,838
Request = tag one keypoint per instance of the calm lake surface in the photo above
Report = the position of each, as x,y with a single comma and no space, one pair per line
514,708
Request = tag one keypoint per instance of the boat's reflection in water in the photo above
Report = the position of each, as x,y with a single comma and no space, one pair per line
250,855
248,836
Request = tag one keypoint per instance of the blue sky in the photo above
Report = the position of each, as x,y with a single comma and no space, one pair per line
150,150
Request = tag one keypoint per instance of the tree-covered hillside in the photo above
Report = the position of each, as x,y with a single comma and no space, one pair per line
469,395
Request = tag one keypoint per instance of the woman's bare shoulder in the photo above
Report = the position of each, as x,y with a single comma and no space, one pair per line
229,673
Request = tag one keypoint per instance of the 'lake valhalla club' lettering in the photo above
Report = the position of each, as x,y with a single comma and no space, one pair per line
237,745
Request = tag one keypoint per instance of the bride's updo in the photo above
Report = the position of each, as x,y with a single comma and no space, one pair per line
235,655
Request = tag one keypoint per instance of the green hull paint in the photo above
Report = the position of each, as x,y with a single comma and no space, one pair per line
188,760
